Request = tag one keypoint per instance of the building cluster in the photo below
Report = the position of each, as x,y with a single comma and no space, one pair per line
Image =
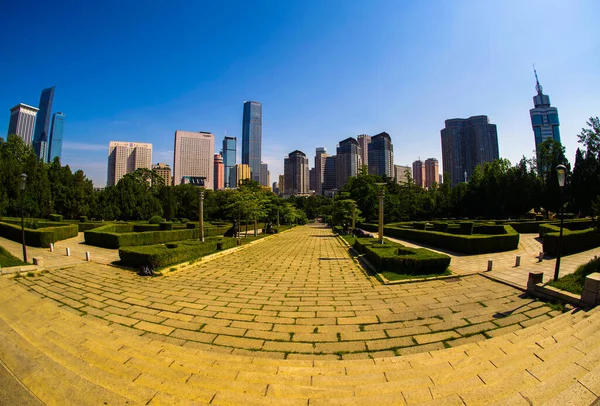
194,160
34,126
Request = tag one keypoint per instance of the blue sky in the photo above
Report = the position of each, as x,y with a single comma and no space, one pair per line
323,70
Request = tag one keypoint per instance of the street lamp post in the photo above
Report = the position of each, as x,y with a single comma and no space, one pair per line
380,194
23,181
560,174
201,194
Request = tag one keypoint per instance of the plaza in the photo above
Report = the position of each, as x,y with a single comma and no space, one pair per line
291,319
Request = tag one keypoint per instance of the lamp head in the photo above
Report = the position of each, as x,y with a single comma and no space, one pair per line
23,180
560,174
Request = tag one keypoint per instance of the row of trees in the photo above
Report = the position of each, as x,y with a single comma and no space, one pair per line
496,190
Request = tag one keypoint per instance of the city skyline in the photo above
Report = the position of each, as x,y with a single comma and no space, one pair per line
408,83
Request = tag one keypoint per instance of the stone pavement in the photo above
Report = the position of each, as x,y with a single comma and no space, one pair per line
504,262
91,334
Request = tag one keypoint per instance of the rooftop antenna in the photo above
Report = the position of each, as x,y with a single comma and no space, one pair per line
538,87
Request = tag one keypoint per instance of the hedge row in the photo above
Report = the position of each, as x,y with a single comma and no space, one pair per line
468,244
572,241
119,235
41,237
399,259
160,256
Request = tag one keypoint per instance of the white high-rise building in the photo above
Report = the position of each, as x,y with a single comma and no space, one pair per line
126,157
22,121
193,158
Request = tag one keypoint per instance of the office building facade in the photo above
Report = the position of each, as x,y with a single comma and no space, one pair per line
193,158
22,122
229,159
296,174
381,155
164,171
363,142
252,137
467,143
219,172
347,161
418,172
329,176
400,173
126,157
544,118
242,173
265,179
56,136
320,157
281,185
432,172
42,124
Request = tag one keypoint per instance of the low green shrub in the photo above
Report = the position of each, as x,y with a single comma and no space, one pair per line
166,225
183,220
89,226
56,217
441,227
7,259
41,237
83,219
140,228
117,235
572,241
156,220
419,226
399,259
466,228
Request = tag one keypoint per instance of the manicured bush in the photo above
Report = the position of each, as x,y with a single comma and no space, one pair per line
41,237
419,226
89,226
56,217
117,235
466,228
83,219
166,225
191,225
140,228
171,245
572,241
489,229
441,227
183,220
156,220
399,259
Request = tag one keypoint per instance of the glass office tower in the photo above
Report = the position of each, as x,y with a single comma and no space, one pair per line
229,159
252,137
42,123
56,136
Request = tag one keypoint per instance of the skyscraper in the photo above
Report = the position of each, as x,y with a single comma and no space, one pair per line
22,122
42,123
229,159
320,158
363,142
467,142
347,161
193,157
164,171
381,155
312,179
126,157
544,119
219,171
400,173
242,172
252,137
56,136
432,172
329,176
296,176
264,174
281,185
418,171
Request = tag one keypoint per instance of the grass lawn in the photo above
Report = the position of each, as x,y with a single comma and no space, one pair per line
6,259
574,282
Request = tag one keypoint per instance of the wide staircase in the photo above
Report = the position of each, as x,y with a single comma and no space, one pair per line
64,358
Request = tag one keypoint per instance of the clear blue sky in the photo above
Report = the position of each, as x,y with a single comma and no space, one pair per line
323,70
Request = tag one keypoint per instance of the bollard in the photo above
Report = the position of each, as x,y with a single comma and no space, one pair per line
541,257
68,252
490,264
51,247
87,256
518,261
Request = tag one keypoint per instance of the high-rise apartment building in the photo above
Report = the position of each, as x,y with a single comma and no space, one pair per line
219,171
242,173
252,137
164,171
363,142
320,157
264,174
312,179
126,157
329,176
381,155
418,172
42,124
400,173
56,136
347,161
467,142
544,119
193,157
229,158
432,172
22,122
281,186
296,176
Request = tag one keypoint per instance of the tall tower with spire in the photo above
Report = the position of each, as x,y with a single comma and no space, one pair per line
544,119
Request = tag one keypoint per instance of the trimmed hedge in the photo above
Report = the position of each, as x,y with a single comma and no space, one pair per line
468,244
165,225
572,241
399,259
140,228
41,237
119,235
466,228
56,217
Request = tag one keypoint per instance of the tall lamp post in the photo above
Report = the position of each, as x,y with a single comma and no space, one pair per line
23,181
560,174
380,194
201,195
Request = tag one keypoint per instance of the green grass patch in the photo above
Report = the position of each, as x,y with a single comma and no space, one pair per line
7,259
574,282
392,276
